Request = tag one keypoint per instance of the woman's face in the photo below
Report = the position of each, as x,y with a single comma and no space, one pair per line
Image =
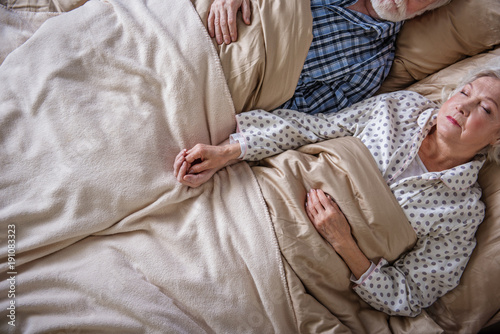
471,117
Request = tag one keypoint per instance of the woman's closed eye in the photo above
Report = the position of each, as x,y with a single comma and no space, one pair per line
486,109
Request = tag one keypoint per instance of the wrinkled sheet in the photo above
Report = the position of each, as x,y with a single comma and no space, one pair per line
93,109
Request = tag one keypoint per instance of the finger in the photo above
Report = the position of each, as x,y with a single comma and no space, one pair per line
201,167
312,213
224,27
245,11
311,203
180,155
218,31
332,204
196,180
210,23
182,172
231,23
177,165
188,182
178,161
313,195
194,154
323,199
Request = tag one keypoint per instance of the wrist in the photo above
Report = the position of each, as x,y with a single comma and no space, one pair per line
342,246
232,151
352,255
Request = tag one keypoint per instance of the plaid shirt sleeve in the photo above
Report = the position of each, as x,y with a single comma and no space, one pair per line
350,55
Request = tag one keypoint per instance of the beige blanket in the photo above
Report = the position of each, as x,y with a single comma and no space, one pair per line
94,108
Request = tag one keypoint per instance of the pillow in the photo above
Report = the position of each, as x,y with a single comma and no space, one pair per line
42,5
263,66
434,40
445,81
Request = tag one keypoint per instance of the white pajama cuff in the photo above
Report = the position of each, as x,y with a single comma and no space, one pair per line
238,138
364,276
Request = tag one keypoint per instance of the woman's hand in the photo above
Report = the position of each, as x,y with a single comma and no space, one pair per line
331,223
327,218
222,19
196,166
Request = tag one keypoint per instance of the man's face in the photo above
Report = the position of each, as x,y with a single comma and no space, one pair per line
399,10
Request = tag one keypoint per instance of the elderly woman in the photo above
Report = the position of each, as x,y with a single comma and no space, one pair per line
429,157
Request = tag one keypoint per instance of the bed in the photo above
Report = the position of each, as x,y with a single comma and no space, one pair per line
97,236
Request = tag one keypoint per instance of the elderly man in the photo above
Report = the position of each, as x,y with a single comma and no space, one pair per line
351,52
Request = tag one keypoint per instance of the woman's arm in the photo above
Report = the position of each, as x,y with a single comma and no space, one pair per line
270,133
196,166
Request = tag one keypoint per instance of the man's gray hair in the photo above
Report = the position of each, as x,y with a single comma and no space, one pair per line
492,71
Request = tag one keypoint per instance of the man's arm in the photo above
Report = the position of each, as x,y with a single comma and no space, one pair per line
222,19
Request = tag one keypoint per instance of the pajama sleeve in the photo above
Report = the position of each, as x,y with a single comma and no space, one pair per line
270,133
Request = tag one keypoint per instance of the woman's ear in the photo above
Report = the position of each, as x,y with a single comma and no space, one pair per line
496,143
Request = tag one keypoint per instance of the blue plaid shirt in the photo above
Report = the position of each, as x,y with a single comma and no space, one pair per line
350,55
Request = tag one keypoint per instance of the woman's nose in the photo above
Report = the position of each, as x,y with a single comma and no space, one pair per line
464,108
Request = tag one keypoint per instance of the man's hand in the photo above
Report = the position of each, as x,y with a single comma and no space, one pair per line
196,166
222,19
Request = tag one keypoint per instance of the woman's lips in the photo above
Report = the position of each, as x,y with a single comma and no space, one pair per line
452,120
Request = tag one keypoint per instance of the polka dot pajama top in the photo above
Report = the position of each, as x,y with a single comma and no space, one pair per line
444,208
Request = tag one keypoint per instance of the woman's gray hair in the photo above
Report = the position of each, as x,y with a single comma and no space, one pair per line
492,71
432,6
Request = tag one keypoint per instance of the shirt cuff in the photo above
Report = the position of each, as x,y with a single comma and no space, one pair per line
364,276
238,138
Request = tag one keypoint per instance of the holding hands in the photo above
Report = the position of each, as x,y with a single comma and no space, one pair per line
196,166
222,19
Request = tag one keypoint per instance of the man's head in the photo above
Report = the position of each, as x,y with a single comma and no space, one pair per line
400,10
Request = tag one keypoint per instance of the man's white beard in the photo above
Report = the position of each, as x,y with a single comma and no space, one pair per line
390,10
